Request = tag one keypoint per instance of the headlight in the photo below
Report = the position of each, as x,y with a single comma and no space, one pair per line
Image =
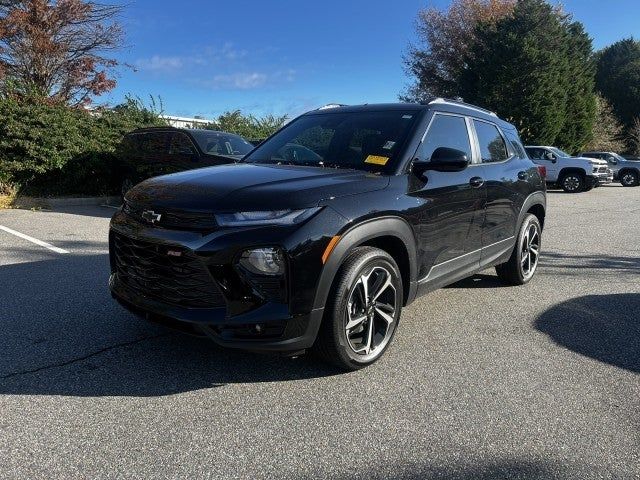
263,261
272,217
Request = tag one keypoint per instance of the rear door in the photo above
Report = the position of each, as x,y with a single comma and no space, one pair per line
505,179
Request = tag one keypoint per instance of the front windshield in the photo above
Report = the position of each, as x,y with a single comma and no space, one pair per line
620,158
559,152
370,141
220,143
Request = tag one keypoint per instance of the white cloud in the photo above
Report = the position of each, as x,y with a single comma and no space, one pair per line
238,81
160,63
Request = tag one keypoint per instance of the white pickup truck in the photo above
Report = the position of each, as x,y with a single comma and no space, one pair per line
572,174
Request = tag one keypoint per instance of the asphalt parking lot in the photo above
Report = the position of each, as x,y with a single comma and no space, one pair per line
482,381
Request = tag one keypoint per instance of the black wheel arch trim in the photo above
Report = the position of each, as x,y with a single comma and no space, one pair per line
359,234
536,198
568,170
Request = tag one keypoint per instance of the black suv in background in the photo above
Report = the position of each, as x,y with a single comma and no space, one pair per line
319,237
149,152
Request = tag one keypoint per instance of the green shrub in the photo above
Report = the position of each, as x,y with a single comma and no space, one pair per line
52,149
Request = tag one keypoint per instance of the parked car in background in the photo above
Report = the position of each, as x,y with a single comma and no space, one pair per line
149,152
571,174
627,172
323,233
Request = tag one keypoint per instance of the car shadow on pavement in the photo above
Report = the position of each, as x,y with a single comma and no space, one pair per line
602,327
63,334
575,261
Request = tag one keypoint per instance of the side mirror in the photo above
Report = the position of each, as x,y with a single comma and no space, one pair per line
612,160
443,159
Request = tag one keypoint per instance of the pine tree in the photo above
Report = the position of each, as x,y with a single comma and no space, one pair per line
618,79
533,67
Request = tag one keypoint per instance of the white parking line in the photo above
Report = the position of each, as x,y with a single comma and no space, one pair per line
33,240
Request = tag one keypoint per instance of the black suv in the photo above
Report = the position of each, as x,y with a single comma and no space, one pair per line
320,236
148,152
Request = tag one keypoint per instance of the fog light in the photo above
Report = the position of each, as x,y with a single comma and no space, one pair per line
263,261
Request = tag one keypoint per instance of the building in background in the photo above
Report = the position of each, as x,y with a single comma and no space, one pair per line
187,122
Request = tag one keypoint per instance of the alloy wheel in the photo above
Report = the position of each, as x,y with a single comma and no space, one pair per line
628,179
571,183
371,313
530,251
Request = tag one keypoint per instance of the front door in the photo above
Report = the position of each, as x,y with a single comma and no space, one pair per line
450,208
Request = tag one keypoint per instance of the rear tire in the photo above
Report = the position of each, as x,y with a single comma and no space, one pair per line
572,182
363,310
629,179
523,263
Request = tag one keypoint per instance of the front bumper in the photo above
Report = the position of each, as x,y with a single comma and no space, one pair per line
244,319
603,178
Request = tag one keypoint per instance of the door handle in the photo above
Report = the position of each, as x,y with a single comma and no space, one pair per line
522,175
476,182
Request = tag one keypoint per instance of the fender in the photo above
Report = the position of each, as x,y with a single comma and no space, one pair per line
536,198
357,235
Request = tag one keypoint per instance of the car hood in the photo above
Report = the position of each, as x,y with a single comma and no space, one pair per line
246,187
592,161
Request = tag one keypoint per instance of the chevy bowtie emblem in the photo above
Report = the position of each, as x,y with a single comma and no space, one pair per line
151,216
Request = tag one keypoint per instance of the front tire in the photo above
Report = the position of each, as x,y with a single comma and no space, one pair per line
572,182
522,264
629,179
362,311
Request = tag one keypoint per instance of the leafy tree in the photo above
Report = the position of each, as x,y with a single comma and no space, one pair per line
533,68
57,50
608,133
444,41
618,78
248,126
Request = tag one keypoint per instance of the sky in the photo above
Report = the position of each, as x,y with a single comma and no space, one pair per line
205,57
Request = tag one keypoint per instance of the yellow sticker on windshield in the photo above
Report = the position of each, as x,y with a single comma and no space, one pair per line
376,160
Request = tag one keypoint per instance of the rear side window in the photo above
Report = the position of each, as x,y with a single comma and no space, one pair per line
516,143
492,146
445,131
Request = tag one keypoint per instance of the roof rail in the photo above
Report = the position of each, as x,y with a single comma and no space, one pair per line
331,105
463,104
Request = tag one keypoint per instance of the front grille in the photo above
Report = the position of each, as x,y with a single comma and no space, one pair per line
172,218
172,275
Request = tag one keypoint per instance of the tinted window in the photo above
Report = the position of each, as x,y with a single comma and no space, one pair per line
492,146
370,141
181,145
445,131
148,143
516,143
219,143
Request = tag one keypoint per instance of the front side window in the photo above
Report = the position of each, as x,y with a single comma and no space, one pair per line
149,143
370,141
218,143
536,153
445,131
492,146
181,145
